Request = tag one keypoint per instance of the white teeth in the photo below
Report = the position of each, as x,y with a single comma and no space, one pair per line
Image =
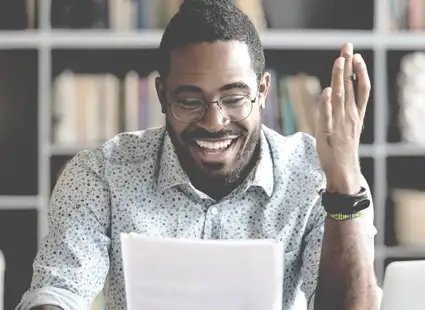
214,145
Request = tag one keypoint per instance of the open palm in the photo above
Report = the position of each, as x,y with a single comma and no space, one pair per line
341,121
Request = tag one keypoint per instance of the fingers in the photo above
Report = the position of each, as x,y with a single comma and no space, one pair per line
337,85
340,98
363,84
350,100
325,112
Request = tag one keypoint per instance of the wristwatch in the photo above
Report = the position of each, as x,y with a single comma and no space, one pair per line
343,207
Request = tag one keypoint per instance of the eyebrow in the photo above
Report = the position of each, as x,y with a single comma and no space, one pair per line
195,89
237,85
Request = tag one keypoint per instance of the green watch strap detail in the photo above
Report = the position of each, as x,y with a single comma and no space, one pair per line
344,217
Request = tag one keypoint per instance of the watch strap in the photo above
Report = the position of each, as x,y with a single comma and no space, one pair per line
345,204
344,217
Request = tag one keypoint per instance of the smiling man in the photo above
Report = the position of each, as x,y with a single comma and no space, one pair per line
215,172
214,103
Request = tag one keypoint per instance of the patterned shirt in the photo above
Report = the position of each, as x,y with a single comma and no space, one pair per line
134,183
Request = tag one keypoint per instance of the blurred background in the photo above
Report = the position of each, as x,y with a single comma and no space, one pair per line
73,73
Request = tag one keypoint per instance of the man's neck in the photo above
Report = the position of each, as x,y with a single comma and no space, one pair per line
218,189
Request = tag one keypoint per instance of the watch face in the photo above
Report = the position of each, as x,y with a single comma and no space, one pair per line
361,205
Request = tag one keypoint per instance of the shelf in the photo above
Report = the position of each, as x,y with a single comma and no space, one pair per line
21,39
316,39
404,40
104,39
18,202
367,150
404,251
272,39
404,149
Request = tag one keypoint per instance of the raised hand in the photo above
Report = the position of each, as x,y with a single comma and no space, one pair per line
341,121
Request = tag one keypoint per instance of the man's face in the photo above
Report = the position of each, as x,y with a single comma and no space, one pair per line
214,148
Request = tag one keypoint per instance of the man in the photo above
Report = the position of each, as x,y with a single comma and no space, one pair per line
216,172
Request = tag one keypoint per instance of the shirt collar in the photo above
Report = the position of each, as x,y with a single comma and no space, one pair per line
263,174
172,174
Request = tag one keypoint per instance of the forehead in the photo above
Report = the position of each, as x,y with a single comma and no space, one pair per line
211,65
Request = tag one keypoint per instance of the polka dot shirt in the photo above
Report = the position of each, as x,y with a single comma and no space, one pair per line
134,183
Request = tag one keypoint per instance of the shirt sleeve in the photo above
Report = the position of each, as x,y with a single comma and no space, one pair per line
313,246
72,262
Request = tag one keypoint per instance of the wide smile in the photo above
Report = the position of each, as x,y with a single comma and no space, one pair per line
214,150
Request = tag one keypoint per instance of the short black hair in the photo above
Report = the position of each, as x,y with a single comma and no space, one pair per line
200,21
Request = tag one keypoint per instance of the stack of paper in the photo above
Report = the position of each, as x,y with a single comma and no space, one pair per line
187,274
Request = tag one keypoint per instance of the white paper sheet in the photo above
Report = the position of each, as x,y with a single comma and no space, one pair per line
187,274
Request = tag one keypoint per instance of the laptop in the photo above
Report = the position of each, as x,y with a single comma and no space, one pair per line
404,286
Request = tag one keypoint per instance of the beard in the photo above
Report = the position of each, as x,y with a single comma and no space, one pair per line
207,178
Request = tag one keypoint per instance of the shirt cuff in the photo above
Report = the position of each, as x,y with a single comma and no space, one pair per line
54,296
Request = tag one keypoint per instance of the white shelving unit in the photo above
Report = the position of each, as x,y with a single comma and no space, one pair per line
45,40
272,39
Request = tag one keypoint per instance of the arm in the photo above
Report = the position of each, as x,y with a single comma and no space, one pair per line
316,255
72,262
346,277
346,265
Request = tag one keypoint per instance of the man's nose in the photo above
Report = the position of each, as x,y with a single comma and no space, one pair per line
213,119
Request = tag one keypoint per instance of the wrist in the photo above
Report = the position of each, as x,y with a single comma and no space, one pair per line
344,184
343,188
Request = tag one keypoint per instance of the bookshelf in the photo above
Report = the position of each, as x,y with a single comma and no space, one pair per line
31,59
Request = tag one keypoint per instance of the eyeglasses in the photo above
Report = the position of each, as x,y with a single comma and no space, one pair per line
234,108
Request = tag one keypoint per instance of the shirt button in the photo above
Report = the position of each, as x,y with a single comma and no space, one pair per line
214,211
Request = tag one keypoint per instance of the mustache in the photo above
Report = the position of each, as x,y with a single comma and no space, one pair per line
205,134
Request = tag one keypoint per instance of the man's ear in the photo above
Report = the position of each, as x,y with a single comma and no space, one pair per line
160,90
264,89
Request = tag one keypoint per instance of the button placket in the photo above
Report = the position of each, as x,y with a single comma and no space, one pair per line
214,211
214,216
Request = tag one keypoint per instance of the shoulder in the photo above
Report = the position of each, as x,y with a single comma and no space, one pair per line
124,148
132,147
129,147
295,153
300,144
